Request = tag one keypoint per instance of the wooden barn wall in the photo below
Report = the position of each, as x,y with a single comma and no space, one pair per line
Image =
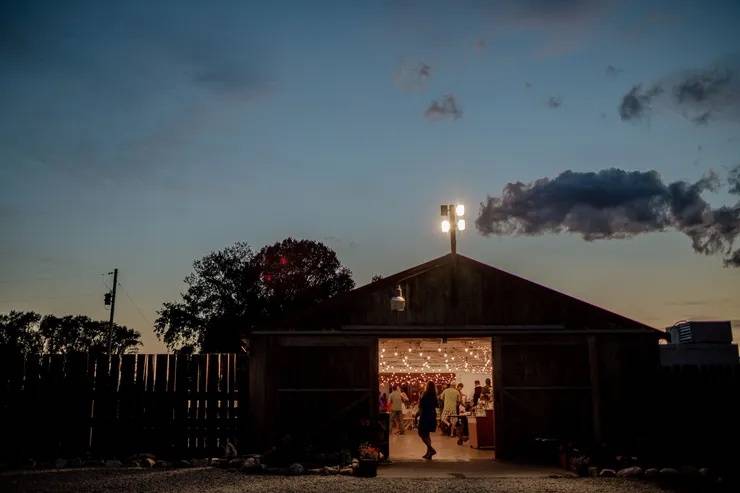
542,389
314,389
588,390
626,371
467,295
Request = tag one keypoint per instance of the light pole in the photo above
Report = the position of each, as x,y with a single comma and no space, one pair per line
453,223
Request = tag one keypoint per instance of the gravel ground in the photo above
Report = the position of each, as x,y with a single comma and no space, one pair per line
202,480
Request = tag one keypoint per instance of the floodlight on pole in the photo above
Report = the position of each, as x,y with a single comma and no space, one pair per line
453,222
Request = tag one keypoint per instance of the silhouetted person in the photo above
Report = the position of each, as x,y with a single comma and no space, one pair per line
383,403
477,392
487,393
427,414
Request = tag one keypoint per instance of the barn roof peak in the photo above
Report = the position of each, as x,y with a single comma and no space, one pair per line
519,300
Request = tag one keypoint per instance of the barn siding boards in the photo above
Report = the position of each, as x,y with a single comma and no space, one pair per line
312,388
542,389
593,358
261,390
484,295
626,367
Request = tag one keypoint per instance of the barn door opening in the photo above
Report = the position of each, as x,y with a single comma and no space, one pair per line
462,372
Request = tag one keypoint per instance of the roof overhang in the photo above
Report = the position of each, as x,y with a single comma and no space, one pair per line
454,331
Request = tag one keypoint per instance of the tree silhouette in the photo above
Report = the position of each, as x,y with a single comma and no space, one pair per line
22,332
18,332
81,333
235,290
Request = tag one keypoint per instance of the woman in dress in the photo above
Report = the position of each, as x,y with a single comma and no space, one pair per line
427,414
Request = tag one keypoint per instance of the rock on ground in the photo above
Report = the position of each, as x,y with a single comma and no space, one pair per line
205,480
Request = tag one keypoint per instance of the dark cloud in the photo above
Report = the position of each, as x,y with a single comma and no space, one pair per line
636,103
554,102
702,119
610,204
701,86
613,71
444,107
702,96
412,76
733,178
733,260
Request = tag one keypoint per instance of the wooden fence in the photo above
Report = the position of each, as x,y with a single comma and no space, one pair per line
167,404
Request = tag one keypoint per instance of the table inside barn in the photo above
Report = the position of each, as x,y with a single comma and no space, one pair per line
481,430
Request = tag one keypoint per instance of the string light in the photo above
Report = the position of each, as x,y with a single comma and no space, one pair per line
458,354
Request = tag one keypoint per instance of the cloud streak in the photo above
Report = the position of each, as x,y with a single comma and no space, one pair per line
733,179
554,102
412,76
614,204
701,95
443,108
636,103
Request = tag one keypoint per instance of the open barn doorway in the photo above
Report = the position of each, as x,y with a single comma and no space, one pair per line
464,415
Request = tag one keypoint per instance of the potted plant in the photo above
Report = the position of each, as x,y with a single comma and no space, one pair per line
368,462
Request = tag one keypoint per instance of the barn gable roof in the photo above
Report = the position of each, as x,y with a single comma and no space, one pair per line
458,291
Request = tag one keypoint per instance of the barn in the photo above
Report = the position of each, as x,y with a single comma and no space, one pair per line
561,368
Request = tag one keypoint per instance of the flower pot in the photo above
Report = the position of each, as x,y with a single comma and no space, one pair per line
367,468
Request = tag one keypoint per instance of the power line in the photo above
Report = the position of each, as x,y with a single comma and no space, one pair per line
141,312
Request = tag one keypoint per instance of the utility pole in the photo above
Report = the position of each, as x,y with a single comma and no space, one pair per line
112,299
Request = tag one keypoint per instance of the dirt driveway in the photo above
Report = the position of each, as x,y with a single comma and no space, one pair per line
203,480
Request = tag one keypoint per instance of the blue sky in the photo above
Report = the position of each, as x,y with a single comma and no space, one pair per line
143,136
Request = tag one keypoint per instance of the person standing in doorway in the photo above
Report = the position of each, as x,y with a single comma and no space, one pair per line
487,393
463,396
477,392
450,399
384,403
427,415
397,399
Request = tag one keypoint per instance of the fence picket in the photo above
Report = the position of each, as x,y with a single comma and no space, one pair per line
68,405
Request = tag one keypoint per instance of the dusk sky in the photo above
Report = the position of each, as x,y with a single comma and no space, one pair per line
143,135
